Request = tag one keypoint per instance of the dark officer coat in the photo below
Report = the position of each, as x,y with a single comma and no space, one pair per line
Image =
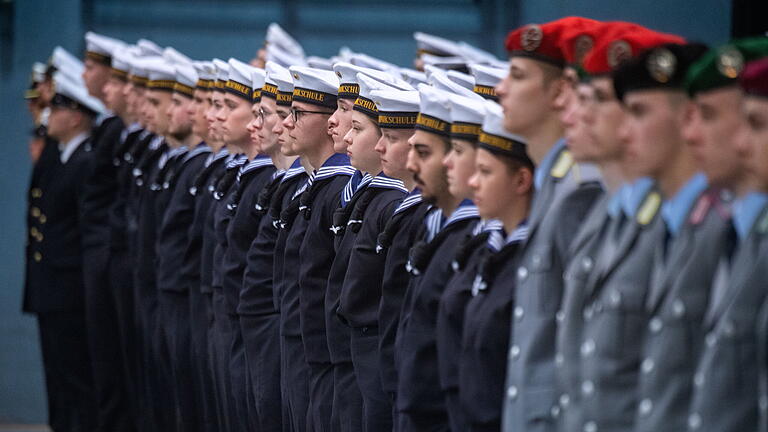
55,270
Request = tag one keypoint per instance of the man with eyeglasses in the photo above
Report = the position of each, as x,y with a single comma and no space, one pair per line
314,99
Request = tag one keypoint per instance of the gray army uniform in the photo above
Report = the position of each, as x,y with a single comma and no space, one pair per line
560,206
725,392
614,318
680,289
570,321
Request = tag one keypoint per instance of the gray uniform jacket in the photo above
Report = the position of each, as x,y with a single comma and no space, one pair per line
615,318
570,319
725,391
558,210
679,294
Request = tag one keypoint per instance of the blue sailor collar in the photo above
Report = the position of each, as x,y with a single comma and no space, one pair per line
156,142
413,198
357,181
202,147
437,222
498,237
382,181
217,156
170,154
745,212
236,161
295,169
337,164
131,128
614,202
675,210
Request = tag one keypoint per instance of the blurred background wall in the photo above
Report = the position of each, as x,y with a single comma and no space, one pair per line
202,29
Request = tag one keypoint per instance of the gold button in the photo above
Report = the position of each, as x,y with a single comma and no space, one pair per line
35,212
39,237
43,219
37,256
37,193
33,232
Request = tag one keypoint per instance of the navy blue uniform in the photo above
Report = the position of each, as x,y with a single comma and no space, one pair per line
173,293
197,268
394,242
241,231
294,368
361,294
450,320
420,402
102,290
483,356
347,408
317,205
259,316
54,287
219,336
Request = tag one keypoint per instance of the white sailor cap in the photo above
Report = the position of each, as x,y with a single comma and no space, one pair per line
486,79
100,48
364,102
439,79
315,86
206,74
349,86
466,116
240,79
258,79
139,74
435,45
360,59
175,57
122,59
222,74
434,110
186,79
278,84
161,74
476,55
495,138
149,48
73,94
284,58
66,63
320,63
413,77
278,37
465,80
398,109
453,62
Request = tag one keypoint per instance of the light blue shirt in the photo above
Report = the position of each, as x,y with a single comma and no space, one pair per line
745,212
542,171
675,210
633,195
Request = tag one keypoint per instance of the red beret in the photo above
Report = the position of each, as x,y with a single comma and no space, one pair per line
621,41
754,78
543,42
577,40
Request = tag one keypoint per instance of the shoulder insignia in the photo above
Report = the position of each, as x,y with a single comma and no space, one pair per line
563,164
701,209
649,208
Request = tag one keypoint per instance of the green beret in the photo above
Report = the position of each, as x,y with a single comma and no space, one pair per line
721,66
